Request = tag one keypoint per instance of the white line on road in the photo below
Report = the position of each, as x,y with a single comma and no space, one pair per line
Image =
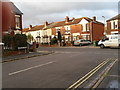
31,68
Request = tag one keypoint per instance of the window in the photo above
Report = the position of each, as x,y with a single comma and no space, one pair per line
57,29
87,27
114,24
17,22
38,33
84,37
67,29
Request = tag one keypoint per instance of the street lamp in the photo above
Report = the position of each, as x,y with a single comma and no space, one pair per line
104,25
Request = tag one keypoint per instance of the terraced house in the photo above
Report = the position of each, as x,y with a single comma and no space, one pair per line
113,25
70,29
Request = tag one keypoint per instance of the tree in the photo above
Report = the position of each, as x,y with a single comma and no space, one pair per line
8,40
59,38
29,38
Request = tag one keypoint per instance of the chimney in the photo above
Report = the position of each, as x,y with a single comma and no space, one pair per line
94,18
67,19
30,27
45,24
72,18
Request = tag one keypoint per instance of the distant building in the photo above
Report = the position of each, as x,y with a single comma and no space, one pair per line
113,25
71,30
11,18
35,31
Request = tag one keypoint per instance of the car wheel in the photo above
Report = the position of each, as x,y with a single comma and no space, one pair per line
102,46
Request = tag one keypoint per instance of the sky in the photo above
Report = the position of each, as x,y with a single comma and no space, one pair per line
36,12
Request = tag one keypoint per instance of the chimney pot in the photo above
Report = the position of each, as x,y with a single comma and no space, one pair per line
46,23
94,18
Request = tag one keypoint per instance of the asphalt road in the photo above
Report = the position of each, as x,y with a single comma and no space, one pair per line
58,70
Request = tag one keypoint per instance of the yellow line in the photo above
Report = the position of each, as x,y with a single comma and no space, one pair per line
95,86
89,76
104,62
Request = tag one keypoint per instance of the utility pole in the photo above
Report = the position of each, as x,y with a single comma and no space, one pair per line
104,25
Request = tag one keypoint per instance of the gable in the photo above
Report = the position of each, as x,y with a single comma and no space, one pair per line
83,21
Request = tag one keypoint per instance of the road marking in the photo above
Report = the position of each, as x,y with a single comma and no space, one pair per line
105,72
78,83
30,68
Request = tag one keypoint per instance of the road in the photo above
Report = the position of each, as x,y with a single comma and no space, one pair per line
58,70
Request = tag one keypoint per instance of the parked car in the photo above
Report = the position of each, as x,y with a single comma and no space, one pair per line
81,42
110,41
1,43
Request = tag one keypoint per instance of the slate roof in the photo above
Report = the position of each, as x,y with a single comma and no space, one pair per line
114,18
15,9
35,28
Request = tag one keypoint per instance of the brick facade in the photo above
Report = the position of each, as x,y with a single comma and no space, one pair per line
74,29
113,25
9,17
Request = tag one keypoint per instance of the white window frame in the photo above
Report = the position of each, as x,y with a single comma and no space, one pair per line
17,22
112,24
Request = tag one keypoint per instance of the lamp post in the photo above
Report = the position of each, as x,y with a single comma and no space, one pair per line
104,25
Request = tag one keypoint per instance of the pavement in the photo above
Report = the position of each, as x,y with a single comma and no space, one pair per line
25,56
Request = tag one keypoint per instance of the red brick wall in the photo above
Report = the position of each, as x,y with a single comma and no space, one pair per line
8,17
119,26
62,29
53,31
98,31
108,27
76,28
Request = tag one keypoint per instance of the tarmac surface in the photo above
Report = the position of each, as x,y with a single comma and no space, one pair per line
25,56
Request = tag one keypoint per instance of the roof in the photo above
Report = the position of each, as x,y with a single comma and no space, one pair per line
35,28
60,24
15,9
71,22
114,18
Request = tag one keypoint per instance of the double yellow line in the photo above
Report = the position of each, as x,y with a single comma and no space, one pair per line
88,75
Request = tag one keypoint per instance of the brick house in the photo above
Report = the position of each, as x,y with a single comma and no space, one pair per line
113,25
11,18
74,29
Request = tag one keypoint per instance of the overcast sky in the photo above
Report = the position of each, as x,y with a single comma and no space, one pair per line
36,12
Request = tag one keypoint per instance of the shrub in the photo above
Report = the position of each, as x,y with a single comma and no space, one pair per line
53,41
20,40
7,40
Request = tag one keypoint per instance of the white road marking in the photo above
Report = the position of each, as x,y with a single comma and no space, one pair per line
30,68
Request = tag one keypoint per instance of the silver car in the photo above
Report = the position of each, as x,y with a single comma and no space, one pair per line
81,42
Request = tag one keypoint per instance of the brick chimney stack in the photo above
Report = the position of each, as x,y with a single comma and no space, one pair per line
45,24
67,19
30,27
94,18
72,18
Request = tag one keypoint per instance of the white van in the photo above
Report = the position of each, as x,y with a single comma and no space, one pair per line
110,41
